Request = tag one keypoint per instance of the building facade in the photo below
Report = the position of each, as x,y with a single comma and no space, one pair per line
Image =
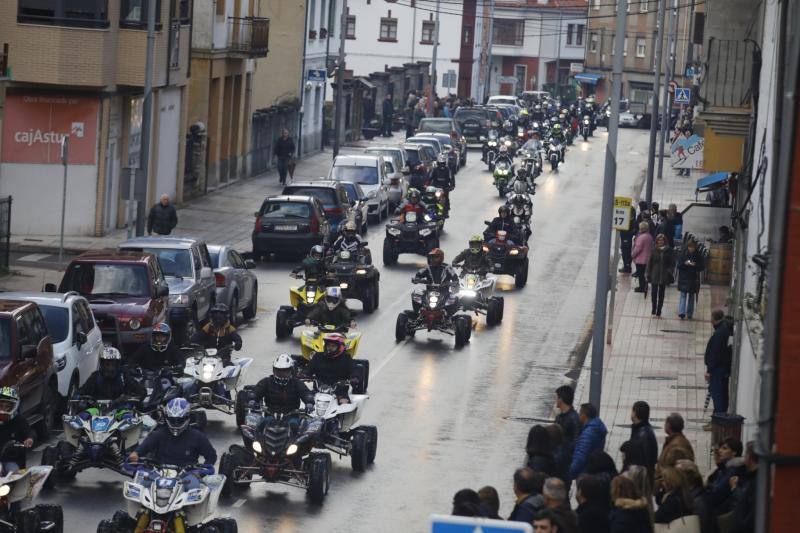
88,86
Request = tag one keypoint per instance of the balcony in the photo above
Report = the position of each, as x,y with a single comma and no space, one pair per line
248,36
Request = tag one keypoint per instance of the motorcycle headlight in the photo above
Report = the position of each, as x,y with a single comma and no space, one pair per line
179,299
466,293
4,490
257,446
427,218
361,271
433,300
208,371
508,143
514,252
586,121
425,232
134,323
292,449
492,143
393,231
343,285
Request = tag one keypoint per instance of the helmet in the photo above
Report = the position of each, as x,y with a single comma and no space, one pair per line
218,314
507,125
441,159
110,362
9,404
524,111
333,297
476,243
176,414
316,253
556,128
350,229
430,190
503,149
537,107
435,257
413,195
518,200
160,337
503,211
334,344
282,369
520,187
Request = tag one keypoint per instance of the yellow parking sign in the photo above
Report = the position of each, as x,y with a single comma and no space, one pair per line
622,213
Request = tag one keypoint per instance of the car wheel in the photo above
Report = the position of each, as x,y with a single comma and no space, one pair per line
249,312
234,309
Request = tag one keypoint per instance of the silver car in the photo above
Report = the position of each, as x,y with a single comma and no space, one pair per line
237,285
398,184
369,171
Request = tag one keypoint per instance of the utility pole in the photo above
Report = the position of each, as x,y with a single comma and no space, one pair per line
432,95
606,208
337,121
654,108
64,160
670,74
147,117
558,55
489,60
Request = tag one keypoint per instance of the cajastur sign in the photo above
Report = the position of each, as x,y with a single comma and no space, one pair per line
35,124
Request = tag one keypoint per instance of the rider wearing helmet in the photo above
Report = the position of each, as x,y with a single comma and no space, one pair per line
332,366
110,382
558,136
508,128
502,222
159,353
331,310
442,175
437,271
282,392
314,265
538,113
218,333
13,429
349,240
430,196
474,258
412,202
175,443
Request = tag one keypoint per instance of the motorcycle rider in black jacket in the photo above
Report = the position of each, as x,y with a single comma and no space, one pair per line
282,392
332,367
474,258
503,222
159,353
437,272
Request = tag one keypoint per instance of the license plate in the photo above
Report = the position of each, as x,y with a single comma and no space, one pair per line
285,228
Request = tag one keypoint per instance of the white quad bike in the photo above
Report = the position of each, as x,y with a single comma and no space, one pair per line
476,295
209,384
158,501
17,490
341,433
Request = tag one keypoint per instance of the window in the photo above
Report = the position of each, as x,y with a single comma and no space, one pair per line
641,47
428,31
332,22
642,6
388,30
596,5
579,35
312,15
184,11
133,14
509,32
593,42
84,13
351,27
570,31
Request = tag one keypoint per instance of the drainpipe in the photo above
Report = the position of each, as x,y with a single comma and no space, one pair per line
325,85
303,83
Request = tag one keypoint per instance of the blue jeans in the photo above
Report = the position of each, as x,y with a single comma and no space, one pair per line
686,304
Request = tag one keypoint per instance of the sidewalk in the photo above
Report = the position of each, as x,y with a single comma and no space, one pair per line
659,361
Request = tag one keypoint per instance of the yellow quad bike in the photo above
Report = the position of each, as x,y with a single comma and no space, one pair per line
302,299
311,342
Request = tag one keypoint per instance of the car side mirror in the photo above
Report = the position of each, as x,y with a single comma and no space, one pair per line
81,338
29,351
206,272
249,264
50,287
162,291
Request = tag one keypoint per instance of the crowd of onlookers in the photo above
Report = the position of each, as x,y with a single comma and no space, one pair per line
652,490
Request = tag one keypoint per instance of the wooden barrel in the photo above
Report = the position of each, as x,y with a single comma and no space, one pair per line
720,261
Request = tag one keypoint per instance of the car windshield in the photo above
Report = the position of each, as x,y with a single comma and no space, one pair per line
175,263
388,154
5,338
433,143
362,175
430,152
325,195
57,320
467,114
436,126
413,157
286,210
94,279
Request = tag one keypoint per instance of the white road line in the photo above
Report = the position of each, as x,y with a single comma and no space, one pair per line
32,258
239,502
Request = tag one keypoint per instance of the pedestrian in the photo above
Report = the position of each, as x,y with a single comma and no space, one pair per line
744,488
690,265
593,504
528,492
643,437
629,512
556,435
490,502
545,522
729,461
626,243
556,498
655,214
697,493
641,478
659,272
676,445
591,438
569,422
677,220
466,503
675,500
162,218
540,451
718,362
408,116
419,114
388,115
642,248
602,467
368,107
632,455
666,227
284,152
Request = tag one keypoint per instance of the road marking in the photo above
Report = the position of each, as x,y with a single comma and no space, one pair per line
32,258
239,502
394,351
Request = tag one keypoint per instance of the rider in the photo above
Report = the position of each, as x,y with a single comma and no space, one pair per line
159,353
503,154
538,113
218,333
474,258
412,202
349,240
503,222
282,392
331,311
509,129
557,134
437,271
111,382
314,266
14,429
430,198
442,176
178,444
331,368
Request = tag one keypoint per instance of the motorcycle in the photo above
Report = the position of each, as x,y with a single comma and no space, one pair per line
301,300
554,149
357,279
503,173
586,127
160,499
434,309
476,294
436,214
409,234
508,258
17,491
490,149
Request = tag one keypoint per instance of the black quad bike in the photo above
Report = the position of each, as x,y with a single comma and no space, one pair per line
409,235
357,279
434,309
508,258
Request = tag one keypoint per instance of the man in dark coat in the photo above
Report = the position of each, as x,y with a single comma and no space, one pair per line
643,437
162,218
718,362
388,114
626,242
567,418
528,491
284,152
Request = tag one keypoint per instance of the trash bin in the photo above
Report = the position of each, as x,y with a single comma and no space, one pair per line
724,426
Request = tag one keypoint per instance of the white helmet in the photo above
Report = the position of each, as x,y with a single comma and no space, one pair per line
176,414
110,362
282,368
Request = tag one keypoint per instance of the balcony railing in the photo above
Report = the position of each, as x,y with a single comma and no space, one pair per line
249,35
732,70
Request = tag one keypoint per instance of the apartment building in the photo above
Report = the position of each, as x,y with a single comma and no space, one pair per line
76,68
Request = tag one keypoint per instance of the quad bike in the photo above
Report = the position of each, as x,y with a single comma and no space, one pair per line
311,342
17,490
301,300
409,234
357,279
434,309
476,295
508,258
159,499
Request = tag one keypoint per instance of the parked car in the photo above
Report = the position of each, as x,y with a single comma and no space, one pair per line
503,99
421,160
126,290
358,201
76,337
289,225
475,122
186,265
331,195
369,171
628,119
398,185
26,354
460,146
237,285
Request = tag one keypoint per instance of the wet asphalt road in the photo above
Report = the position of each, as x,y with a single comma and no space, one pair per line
447,419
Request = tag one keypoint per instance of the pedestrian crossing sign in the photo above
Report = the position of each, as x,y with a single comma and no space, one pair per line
683,95
463,524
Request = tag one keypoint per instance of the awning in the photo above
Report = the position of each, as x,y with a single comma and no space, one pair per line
712,181
588,77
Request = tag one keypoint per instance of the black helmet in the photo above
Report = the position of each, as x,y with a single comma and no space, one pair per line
413,195
316,253
504,211
218,314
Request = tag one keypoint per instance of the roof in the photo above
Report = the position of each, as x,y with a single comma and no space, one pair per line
320,183
291,198
589,77
159,242
42,298
356,160
437,119
433,134
712,181
384,148
9,306
114,255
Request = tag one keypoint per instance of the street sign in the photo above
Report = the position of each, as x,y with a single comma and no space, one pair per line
450,79
463,524
683,95
318,75
622,213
